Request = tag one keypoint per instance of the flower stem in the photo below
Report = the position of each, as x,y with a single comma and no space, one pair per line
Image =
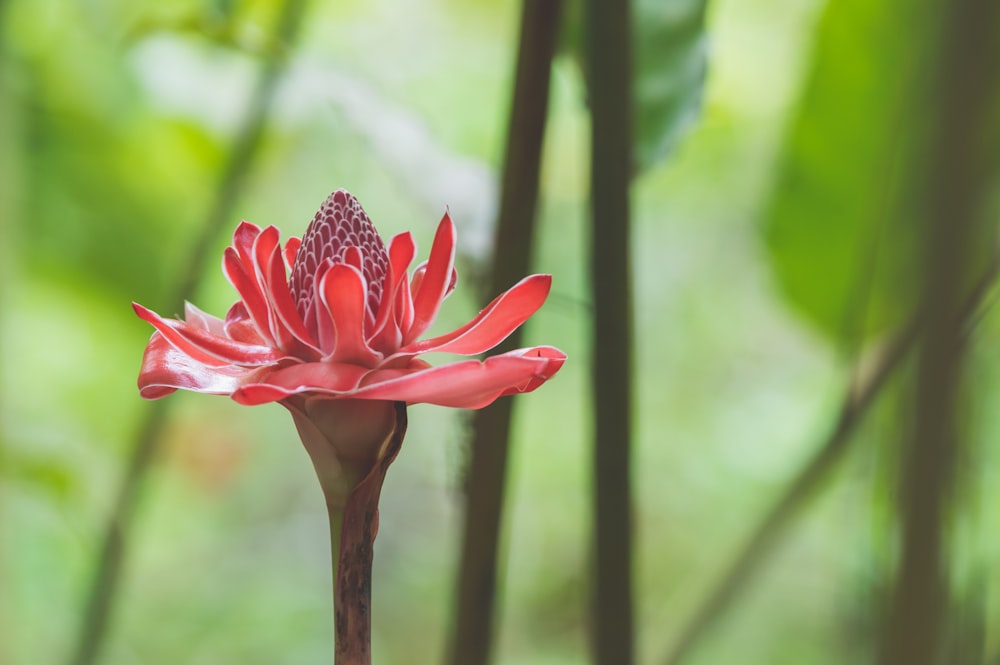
352,537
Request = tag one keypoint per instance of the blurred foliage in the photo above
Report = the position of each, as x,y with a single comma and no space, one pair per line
115,118
670,60
850,191
842,239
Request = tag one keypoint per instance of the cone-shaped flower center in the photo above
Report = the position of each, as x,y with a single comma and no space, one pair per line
340,232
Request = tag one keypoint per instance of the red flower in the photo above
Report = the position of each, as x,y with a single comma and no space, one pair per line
336,316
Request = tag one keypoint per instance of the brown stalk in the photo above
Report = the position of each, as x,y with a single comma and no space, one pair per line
608,48
958,182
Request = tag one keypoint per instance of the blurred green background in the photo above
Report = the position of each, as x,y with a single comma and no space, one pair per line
116,120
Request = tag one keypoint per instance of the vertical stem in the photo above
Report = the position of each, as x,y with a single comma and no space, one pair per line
957,183
352,539
103,587
472,636
609,72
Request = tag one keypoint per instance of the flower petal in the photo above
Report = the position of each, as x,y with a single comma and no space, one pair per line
165,369
250,291
492,325
264,247
291,331
434,285
385,335
403,310
326,334
344,295
196,317
322,377
469,384
243,238
291,250
205,347
238,326
556,359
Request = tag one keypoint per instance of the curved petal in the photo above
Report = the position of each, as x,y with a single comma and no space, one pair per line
325,334
403,310
469,384
401,252
238,326
264,247
319,377
165,369
196,317
344,295
250,291
291,333
494,323
427,299
205,347
243,238
417,276
291,250
556,358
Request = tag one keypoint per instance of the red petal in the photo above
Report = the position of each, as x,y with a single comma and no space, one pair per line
326,334
291,250
344,296
238,326
469,384
243,238
165,369
427,299
250,291
556,358
417,276
293,334
322,377
263,247
205,347
403,310
401,251
195,317
492,325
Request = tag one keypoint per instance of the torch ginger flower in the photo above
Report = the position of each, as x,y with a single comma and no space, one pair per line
345,326
329,327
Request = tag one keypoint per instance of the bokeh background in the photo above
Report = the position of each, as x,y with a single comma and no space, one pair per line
752,231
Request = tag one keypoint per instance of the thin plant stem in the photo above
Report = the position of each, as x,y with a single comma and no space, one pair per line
608,65
858,399
352,540
104,583
959,181
472,630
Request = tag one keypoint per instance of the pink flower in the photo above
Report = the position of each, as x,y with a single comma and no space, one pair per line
329,326
336,316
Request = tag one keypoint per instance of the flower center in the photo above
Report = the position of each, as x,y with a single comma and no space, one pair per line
339,224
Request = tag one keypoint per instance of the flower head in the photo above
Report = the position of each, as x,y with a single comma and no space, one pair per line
336,315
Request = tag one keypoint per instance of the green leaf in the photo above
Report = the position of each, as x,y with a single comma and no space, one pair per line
845,213
670,66
670,62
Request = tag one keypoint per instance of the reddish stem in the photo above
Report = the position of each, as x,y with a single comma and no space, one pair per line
353,529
